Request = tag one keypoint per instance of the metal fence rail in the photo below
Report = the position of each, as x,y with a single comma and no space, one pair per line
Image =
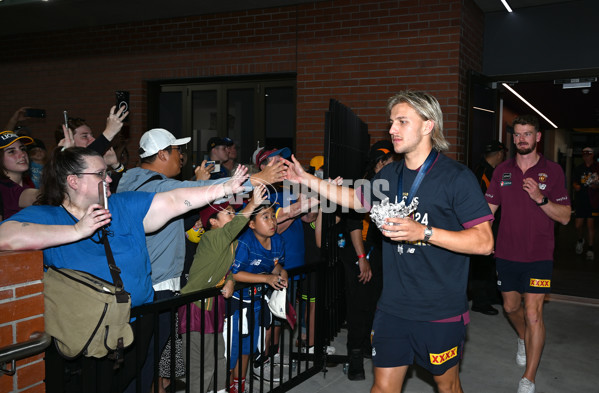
37,343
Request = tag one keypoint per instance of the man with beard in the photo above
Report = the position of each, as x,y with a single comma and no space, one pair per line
532,194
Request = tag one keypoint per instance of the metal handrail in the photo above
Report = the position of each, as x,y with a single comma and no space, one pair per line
37,343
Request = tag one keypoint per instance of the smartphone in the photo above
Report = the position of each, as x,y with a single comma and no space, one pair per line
122,99
103,198
39,113
216,166
66,119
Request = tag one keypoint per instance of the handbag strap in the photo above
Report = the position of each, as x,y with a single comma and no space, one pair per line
115,272
121,295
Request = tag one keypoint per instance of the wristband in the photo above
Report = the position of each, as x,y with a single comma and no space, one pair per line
361,256
119,168
225,191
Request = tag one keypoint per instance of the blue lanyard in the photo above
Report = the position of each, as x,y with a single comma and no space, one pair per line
421,172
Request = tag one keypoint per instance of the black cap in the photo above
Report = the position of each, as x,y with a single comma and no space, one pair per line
36,143
380,149
494,146
215,141
228,141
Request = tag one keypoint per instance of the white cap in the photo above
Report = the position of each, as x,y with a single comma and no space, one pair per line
157,139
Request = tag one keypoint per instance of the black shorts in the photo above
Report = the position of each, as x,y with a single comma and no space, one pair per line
436,346
524,277
585,210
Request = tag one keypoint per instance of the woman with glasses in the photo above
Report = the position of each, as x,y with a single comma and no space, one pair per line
16,188
65,223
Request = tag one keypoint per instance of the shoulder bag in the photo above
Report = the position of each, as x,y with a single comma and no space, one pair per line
85,314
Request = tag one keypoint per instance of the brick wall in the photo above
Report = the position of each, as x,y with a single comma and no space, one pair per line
357,51
21,314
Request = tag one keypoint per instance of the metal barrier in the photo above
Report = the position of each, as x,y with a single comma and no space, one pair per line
37,343
293,363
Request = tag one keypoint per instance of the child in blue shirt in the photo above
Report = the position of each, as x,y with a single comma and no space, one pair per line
259,258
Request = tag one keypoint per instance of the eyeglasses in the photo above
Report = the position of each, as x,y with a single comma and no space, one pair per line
587,152
102,174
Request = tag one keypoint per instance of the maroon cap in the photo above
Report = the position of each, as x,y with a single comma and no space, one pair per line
209,211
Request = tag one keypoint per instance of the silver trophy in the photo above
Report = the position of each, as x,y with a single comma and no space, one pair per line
385,210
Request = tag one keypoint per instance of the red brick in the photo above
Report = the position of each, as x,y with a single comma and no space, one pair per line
21,308
29,326
40,388
7,383
30,374
20,266
9,293
29,289
6,336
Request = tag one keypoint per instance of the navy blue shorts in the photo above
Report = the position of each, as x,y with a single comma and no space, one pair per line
524,277
436,346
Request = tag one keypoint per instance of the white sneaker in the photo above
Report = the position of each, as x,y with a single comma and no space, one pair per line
265,374
525,386
579,246
521,354
330,350
590,255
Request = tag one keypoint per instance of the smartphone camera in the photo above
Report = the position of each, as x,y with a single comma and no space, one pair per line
37,113
122,100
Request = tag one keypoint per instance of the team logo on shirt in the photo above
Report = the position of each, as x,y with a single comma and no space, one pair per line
440,358
542,180
534,282
256,262
276,260
506,179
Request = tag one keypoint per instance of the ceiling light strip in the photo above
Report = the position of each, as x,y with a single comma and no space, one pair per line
529,104
506,5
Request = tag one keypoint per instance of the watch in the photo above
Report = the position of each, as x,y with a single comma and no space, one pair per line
543,202
428,232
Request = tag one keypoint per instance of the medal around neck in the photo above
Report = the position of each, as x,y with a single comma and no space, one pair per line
385,210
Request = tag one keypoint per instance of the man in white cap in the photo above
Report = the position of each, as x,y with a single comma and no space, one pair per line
161,160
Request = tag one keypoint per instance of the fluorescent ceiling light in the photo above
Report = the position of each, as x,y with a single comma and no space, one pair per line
529,104
506,5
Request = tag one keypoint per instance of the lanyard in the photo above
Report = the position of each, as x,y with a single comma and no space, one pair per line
421,172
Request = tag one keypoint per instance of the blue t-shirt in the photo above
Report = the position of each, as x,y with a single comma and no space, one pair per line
293,235
252,257
126,237
423,282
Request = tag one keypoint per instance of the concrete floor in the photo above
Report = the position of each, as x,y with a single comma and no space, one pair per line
570,362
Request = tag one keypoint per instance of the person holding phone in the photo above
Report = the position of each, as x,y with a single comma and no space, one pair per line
76,132
160,154
20,115
65,223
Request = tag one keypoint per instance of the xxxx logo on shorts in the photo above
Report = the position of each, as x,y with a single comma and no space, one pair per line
440,358
540,283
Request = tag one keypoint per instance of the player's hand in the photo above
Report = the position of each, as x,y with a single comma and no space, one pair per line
532,188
